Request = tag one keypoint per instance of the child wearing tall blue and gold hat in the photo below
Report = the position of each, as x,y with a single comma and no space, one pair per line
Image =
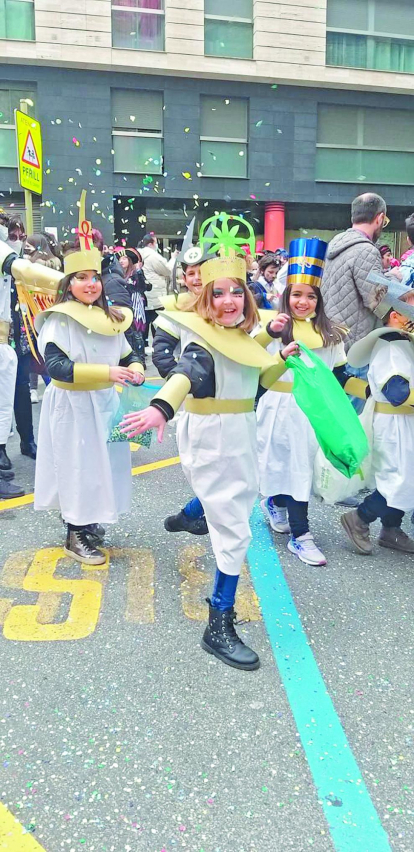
286,441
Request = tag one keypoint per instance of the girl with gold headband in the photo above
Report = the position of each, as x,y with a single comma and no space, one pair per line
286,441
217,375
83,344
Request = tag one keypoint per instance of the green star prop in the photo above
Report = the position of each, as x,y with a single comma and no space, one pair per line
226,240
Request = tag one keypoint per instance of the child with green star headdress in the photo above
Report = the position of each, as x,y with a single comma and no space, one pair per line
216,377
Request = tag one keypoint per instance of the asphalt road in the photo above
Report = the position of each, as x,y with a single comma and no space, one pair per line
117,732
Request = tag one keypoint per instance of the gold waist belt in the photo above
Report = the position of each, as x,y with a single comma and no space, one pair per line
282,387
387,408
72,386
4,331
210,405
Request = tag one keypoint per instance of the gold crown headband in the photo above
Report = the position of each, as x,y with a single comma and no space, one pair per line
88,256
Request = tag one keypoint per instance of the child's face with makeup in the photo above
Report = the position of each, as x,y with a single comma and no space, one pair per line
227,301
86,287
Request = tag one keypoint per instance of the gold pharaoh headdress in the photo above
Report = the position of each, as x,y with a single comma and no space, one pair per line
88,257
226,243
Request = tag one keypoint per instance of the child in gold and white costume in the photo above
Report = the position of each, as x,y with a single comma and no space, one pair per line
220,366
83,344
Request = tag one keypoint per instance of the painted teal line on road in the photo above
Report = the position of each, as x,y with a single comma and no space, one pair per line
352,819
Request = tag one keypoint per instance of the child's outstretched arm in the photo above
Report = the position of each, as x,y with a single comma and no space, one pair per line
194,373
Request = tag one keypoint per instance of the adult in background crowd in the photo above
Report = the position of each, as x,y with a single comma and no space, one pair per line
135,283
347,295
22,403
37,250
158,273
8,370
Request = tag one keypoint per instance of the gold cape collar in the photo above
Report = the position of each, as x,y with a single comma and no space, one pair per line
233,343
93,318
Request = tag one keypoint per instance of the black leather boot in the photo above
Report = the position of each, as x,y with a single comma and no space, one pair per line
181,523
5,463
220,638
8,490
28,448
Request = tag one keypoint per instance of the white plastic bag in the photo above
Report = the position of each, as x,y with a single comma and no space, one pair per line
330,484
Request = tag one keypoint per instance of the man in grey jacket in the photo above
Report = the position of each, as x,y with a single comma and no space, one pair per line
347,295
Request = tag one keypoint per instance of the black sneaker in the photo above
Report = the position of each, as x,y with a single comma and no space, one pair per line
181,523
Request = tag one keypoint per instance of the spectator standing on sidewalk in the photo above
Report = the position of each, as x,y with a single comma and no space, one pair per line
158,273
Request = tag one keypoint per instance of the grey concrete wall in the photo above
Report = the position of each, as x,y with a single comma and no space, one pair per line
281,145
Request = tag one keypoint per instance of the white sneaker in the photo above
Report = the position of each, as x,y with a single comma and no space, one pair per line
34,396
149,350
305,549
276,516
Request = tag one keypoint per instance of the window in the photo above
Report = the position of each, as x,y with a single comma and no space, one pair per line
138,24
137,122
17,19
224,137
9,101
365,145
229,34
380,37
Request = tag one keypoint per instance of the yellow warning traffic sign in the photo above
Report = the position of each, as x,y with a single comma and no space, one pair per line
29,151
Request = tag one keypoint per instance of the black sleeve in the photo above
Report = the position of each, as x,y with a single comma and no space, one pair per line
136,341
198,365
58,365
8,263
163,356
131,358
341,374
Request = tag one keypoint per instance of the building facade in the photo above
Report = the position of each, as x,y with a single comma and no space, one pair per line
281,111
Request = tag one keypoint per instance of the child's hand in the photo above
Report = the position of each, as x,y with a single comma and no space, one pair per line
291,349
140,421
139,378
121,375
279,323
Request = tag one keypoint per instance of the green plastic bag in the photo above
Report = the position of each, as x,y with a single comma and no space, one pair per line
329,411
133,398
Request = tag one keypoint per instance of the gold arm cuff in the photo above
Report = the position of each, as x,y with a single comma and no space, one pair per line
4,331
90,373
174,391
356,387
210,405
282,387
263,338
87,386
136,367
387,408
271,374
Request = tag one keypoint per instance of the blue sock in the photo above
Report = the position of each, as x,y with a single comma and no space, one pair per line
193,509
224,591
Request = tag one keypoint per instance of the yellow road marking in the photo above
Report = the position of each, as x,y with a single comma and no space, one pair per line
147,468
140,583
23,624
13,837
17,502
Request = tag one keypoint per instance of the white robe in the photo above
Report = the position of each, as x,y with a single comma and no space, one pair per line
77,471
8,365
393,441
218,455
287,444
